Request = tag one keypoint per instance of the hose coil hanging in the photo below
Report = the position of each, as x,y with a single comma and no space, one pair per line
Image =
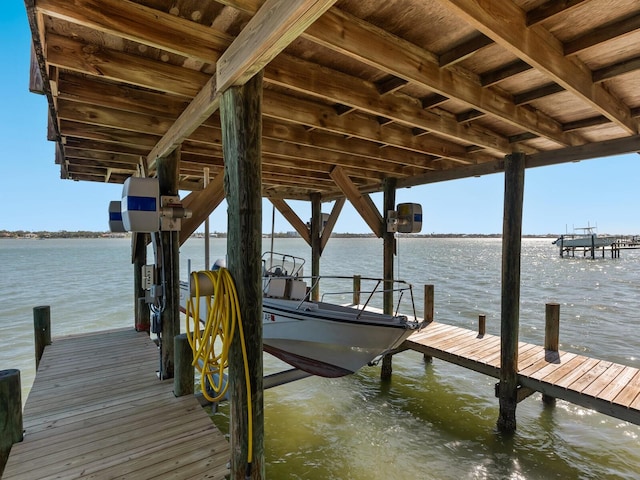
222,319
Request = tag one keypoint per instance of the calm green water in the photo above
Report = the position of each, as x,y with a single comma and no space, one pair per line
434,421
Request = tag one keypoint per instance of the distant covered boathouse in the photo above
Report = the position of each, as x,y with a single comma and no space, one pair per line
329,101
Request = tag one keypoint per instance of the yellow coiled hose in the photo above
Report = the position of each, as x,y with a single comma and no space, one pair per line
223,315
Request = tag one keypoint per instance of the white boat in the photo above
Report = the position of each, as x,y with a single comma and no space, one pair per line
321,338
585,237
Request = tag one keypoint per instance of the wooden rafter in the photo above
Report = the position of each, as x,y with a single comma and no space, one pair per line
266,40
293,219
539,48
201,204
360,201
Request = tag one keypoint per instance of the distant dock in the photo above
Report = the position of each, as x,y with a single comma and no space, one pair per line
97,410
590,244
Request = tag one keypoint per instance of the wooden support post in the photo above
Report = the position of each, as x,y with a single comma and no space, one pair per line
510,305
10,413
142,313
389,247
551,336
207,234
41,330
168,176
357,280
482,325
316,236
428,313
240,113
183,380
428,303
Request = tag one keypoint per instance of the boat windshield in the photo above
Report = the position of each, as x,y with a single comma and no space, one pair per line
282,265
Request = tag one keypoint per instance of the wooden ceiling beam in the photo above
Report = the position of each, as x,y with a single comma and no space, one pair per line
615,70
602,34
276,24
464,50
537,93
261,40
153,126
104,63
505,22
495,76
359,126
311,79
124,18
118,66
542,159
371,45
550,9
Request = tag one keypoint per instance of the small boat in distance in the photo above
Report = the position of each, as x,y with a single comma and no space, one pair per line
585,237
322,338
586,240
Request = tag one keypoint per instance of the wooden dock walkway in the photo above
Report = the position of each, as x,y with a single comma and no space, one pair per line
600,385
97,410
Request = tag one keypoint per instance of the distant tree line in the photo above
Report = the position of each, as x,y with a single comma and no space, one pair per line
47,234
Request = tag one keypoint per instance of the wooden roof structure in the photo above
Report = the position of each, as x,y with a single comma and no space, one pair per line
355,91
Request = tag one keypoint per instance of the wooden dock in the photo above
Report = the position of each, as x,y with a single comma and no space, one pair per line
97,410
600,385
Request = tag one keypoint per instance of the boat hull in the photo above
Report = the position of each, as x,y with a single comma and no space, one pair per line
328,341
324,339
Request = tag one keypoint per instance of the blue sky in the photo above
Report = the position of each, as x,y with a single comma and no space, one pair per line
33,197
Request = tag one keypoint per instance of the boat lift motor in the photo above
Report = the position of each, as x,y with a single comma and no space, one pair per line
115,217
144,210
407,218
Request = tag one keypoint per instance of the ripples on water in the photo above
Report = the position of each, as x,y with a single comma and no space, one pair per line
432,421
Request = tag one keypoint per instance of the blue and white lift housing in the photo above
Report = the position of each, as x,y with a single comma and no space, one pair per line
115,217
141,204
144,210
407,218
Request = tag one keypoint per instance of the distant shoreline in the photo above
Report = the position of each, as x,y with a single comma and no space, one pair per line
38,235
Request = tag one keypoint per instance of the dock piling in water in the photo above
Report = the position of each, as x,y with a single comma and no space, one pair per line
41,330
551,337
10,413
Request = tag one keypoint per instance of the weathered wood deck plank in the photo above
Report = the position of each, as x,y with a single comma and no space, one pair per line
104,414
601,385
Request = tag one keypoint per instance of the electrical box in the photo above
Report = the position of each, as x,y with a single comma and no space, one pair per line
409,217
115,217
147,276
141,204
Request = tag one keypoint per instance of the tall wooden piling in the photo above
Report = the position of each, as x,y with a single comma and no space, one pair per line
428,313
316,232
10,413
240,113
41,330
510,305
168,176
551,336
389,250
